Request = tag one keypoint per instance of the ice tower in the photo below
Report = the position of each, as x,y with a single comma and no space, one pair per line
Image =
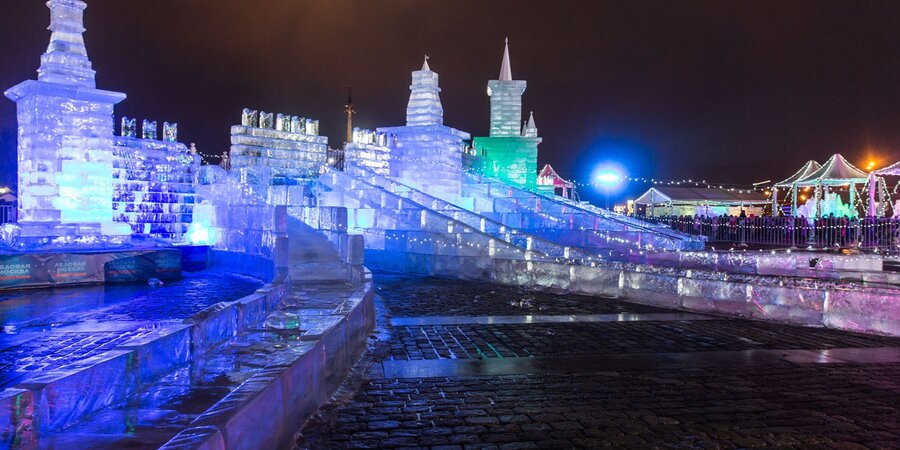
65,136
426,153
510,151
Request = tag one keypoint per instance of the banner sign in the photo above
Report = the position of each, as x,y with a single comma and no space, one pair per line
57,269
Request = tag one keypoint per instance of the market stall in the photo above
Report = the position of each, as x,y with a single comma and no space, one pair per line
695,201
837,171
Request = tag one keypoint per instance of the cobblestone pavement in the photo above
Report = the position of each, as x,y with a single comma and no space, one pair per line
441,297
770,403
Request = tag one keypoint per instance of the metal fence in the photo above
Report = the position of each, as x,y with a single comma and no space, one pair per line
335,157
7,214
868,232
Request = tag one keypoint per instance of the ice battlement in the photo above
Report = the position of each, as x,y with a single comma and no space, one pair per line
286,147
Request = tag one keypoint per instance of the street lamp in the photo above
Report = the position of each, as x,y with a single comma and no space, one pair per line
608,180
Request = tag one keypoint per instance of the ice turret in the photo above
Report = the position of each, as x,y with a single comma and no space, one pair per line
66,60
506,100
530,129
424,106
509,152
505,68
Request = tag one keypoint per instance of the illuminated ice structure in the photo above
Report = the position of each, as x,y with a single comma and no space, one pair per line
77,181
509,153
422,212
426,153
153,188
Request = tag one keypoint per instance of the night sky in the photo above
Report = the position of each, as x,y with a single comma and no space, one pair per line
733,92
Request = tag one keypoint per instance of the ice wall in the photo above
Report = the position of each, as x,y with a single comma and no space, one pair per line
369,150
290,146
153,190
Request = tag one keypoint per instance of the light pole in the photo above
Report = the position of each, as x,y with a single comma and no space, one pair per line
608,180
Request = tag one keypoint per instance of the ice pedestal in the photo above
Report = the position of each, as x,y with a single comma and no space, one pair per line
65,152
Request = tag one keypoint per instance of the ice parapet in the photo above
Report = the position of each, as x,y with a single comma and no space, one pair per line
294,150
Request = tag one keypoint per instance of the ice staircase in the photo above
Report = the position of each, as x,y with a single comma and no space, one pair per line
560,228
402,234
312,256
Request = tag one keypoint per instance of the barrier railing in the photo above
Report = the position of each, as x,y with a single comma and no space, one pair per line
7,214
868,232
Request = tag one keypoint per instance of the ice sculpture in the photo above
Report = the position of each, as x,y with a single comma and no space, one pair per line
265,120
831,204
509,153
148,130
129,127
170,132
250,118
65,130
77,179
423,142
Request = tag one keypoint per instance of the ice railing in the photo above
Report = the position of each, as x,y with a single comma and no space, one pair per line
472,219
441,224
670,237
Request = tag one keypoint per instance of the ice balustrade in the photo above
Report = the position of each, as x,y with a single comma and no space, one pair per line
647,236
393,216
474,220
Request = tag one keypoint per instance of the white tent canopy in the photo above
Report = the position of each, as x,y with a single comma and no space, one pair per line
836,171
699,196
893,169
808,169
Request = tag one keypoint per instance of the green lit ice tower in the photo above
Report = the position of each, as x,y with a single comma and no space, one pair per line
510,152
65,135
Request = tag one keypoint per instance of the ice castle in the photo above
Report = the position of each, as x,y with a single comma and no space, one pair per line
417,192
77,179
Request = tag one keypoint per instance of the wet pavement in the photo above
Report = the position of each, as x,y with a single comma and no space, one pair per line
472,365
43,330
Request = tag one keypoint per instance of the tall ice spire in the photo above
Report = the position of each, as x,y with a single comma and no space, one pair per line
530,129
424,106
66,60
506,100
505,69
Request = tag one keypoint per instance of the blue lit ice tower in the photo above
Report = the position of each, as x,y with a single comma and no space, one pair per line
510,151
427,154
65,130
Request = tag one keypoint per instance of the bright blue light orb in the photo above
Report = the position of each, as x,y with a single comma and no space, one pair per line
609,178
